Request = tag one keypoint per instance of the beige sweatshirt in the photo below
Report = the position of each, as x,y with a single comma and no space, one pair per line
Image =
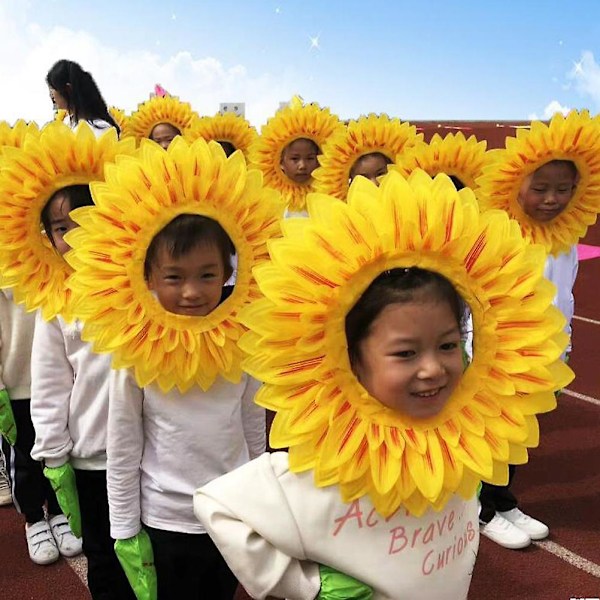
16,341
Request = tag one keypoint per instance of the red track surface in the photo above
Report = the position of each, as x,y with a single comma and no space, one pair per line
560,485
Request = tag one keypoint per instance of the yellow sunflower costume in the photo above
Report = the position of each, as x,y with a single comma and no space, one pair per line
55,158
157,110
575,138
14,136
360,478
366,135
226,127
139,198
121,119
291,123
454,155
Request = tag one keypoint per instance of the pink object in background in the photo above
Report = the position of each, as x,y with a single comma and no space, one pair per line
160,91
585,252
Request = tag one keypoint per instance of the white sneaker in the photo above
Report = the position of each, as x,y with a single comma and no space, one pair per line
535,529
503,532
41,544
67,543
5,492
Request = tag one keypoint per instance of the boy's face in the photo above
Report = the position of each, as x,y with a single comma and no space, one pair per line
299,160
548,191
191,284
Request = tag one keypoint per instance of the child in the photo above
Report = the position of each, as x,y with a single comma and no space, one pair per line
366,146
162,119
46,539
163,134
69,409
287,149
543,196
372,166
547,179
160,445
362,362
74,90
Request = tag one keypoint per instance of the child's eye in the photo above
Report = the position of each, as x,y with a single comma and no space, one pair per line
208,275
172,277
405,353
449,346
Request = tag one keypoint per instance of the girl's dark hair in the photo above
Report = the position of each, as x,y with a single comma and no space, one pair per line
568,163
76,196
398,286
186,232
84,100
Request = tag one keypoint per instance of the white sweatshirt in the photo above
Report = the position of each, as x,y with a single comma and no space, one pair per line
161,447
98,126
16,340
69,397
562,270
274,527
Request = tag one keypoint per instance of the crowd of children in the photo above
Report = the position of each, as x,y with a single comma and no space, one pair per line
159,292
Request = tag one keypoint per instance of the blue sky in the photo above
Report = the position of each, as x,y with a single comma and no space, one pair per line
416,60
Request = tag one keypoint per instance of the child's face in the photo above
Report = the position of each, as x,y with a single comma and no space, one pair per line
548,191
60,221
58,100
370,166
191,284
163,134
411,360
299,160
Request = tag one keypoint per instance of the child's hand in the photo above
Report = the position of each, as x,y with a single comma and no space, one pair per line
338,586
63,483
137,559
7,420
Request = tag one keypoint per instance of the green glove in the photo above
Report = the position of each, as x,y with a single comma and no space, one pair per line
62,480
7,420
137,559
337,586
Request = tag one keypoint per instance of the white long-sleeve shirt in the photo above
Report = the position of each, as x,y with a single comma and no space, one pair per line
562,270
274,527
69,397
16,340
161,447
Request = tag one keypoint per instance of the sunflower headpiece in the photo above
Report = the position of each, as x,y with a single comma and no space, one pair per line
297,343
157,110
226,127
293,122
140,196
14,136
575,138
53,159
120,118
372,133
453,155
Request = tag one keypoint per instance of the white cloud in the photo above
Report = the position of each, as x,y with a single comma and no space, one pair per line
586,76
551,109
124,78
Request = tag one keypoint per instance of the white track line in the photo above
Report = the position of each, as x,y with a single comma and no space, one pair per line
579,396
570,557
586,320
